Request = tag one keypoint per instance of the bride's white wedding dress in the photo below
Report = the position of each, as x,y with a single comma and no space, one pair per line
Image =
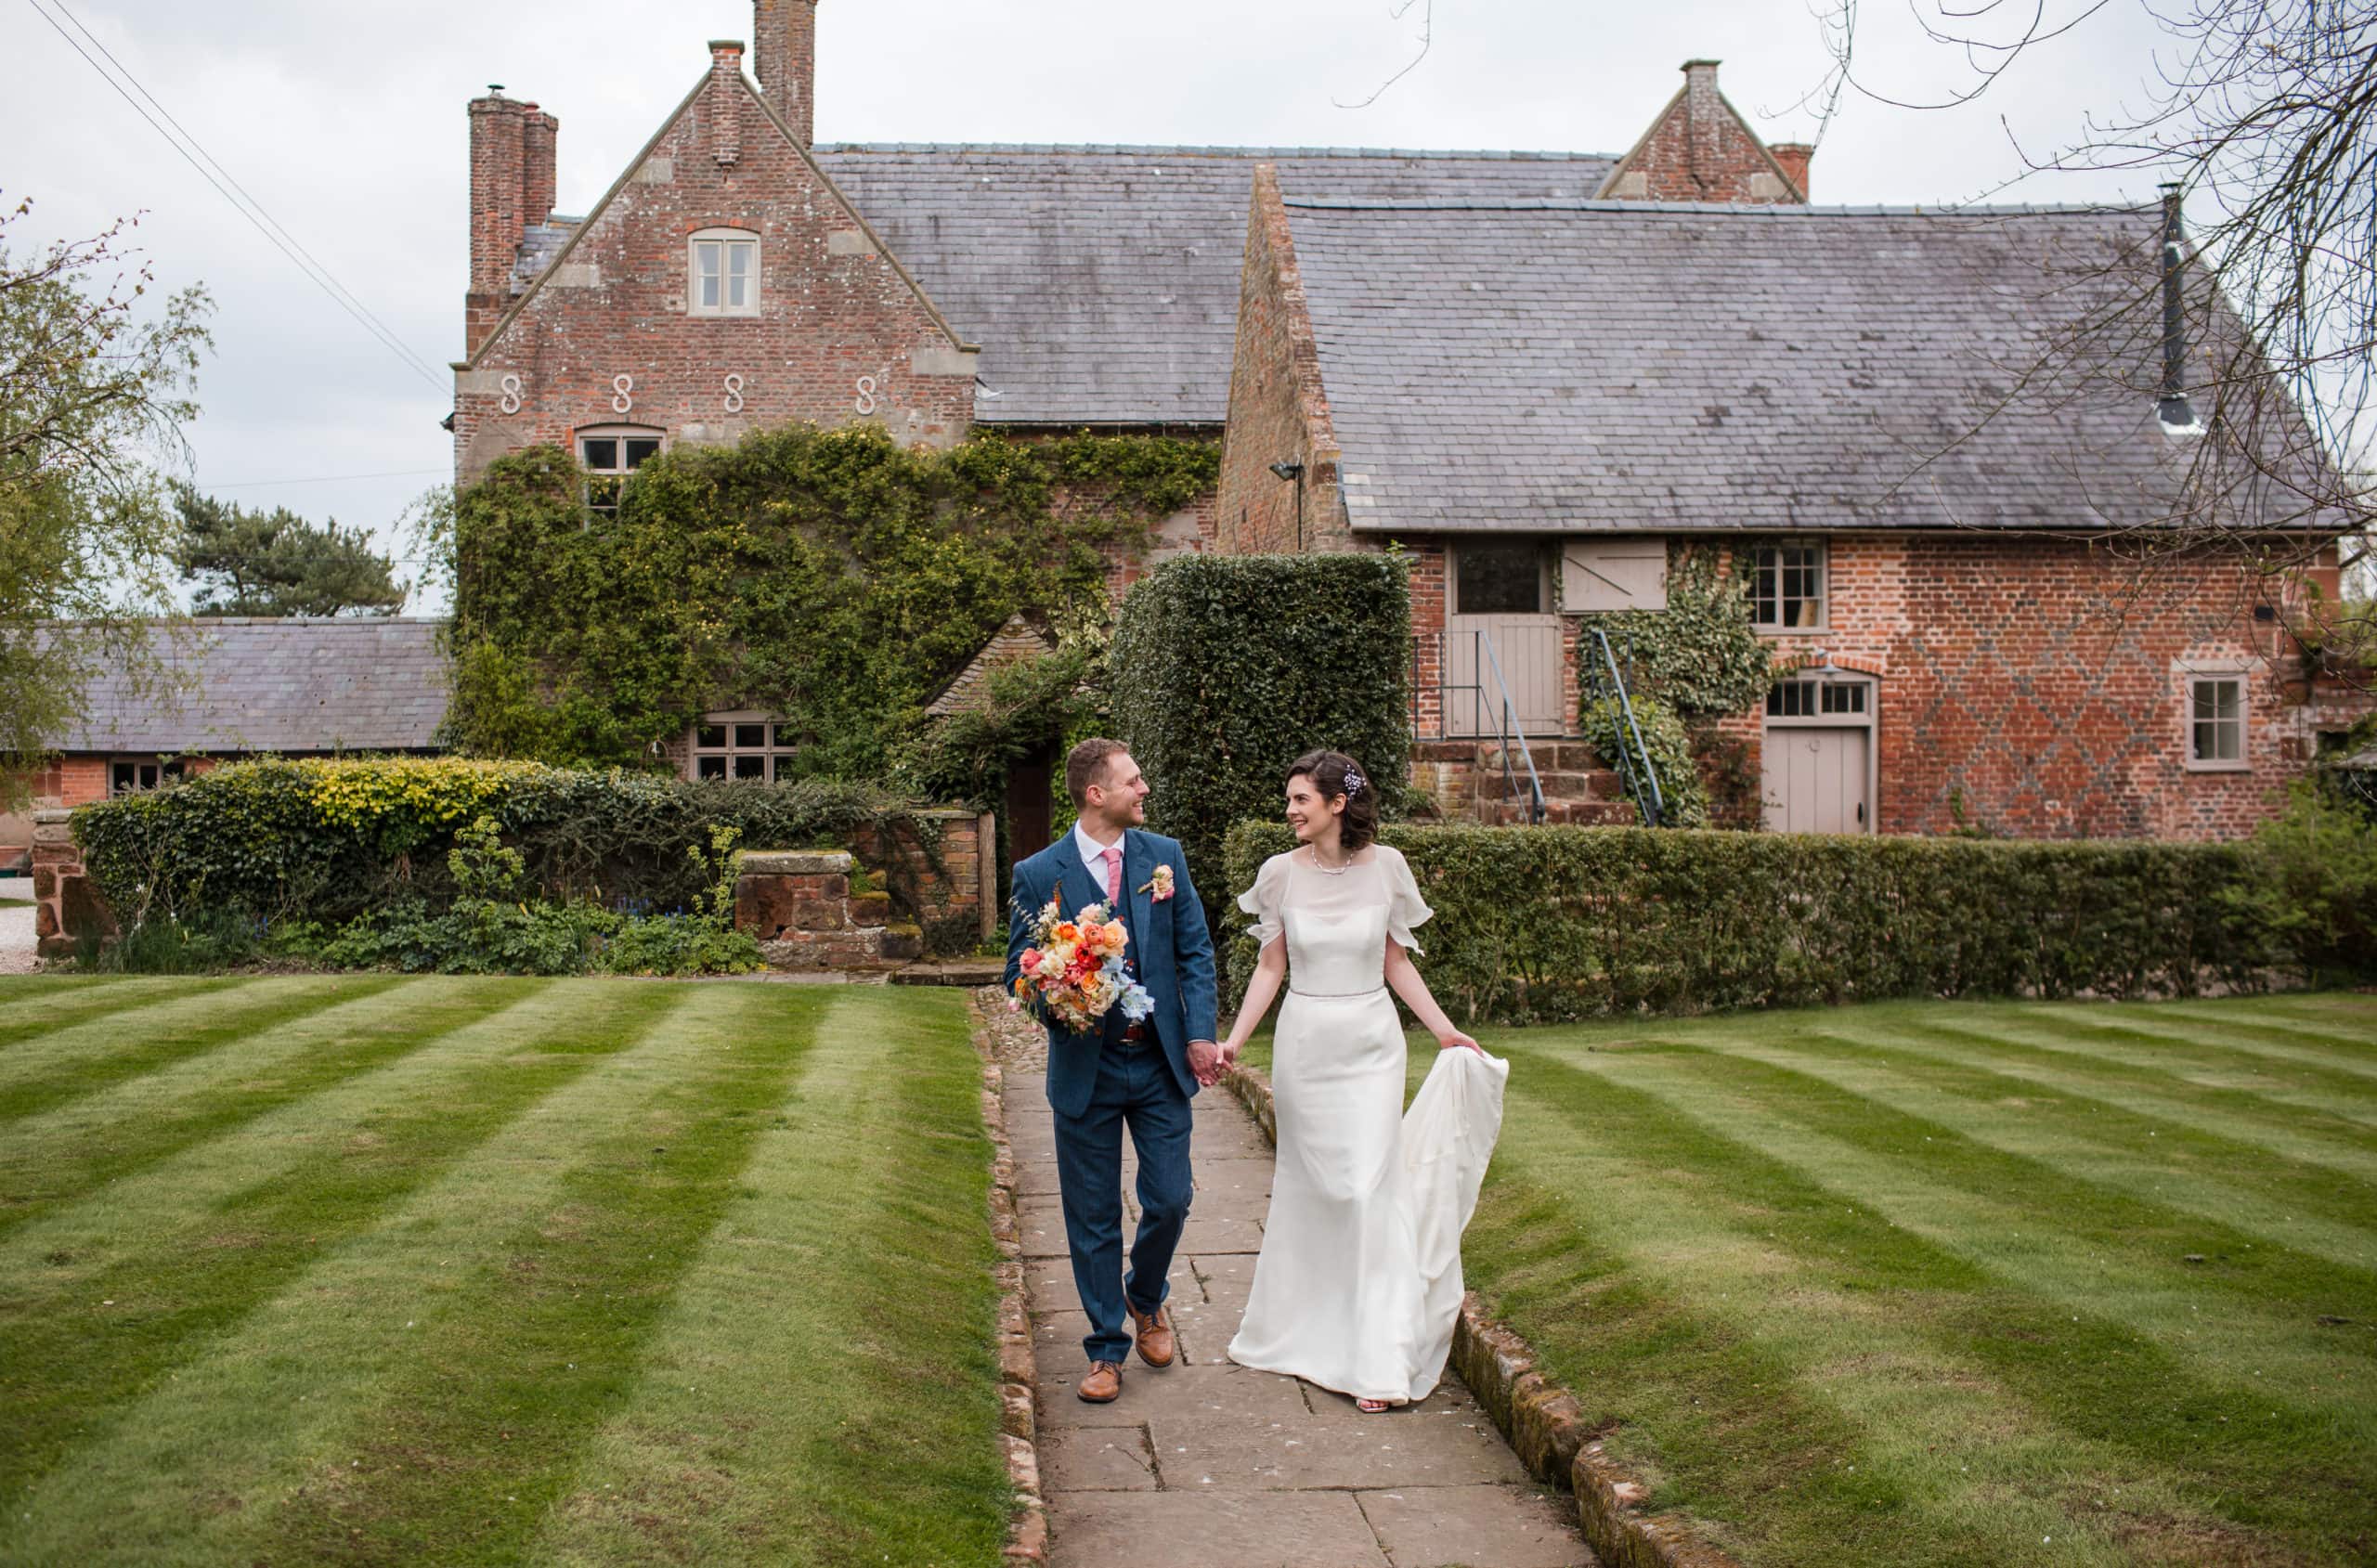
1359,1278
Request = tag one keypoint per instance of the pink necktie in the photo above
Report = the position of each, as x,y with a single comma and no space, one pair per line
1113,873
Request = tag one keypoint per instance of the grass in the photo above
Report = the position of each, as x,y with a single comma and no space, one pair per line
358,1269
1969,1283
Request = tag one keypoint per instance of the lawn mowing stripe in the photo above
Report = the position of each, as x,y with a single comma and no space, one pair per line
2206,1046
80,1147
190,1248
463,1450
2312,1135
2341,1021
2262,1463
87,1057
1812,1421
253,1414
759,1431
2236,1038
2156,1158
2249,1303
35,1004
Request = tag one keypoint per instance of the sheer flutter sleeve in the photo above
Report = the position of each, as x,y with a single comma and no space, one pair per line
1263,901
1405,907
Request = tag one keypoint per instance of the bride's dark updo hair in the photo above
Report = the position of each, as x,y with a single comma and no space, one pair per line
1334,773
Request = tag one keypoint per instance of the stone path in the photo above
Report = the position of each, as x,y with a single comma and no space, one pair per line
1209,1464
16,927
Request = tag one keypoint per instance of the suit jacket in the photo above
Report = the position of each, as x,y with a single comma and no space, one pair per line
1171,951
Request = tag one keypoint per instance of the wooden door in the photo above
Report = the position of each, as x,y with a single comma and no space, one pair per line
1030,808
1814,780
1529,650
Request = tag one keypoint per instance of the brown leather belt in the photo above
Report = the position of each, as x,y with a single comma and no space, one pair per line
1136,1034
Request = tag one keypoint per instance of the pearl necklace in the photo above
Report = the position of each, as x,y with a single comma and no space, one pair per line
1314,855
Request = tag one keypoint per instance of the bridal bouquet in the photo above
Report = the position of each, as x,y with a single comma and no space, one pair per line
1072,972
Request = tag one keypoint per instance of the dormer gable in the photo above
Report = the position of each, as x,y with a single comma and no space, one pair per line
1699,148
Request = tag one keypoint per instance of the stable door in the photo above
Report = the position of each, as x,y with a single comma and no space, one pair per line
1815,779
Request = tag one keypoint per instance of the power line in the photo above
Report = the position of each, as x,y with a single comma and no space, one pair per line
320,275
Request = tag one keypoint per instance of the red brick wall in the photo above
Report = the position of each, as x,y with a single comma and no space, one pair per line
832,308
2038,685
1278,409
1700,150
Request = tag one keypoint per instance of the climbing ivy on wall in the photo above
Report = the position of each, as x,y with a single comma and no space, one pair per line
830,577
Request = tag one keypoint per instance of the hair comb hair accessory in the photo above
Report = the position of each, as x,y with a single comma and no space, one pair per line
1354,782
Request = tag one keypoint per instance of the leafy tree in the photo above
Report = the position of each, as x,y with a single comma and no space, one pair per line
277,564
92,399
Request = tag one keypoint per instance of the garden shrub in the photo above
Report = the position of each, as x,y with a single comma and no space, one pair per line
1550,923
327,840
1226,668
2311,882
1665,741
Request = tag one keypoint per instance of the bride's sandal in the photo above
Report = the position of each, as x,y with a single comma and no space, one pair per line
1373,1407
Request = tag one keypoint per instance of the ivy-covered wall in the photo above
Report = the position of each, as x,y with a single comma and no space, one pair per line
830,577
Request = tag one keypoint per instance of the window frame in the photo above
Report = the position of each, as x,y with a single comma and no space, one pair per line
2195,676
772,750
1822,550
167,770
602,496
1544,590
729,241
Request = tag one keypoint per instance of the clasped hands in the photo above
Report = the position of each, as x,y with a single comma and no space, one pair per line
1209,1061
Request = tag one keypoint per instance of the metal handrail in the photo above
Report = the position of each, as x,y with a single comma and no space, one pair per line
1650,801
1510,729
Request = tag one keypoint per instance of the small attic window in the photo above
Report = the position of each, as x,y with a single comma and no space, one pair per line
722,273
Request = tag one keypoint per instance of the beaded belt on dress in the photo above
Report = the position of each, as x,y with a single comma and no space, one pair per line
1335,996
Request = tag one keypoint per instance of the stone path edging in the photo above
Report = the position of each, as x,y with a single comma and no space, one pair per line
1542,1421
1027,1534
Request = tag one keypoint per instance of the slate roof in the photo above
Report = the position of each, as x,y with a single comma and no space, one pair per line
366,683
1625,365
1102,281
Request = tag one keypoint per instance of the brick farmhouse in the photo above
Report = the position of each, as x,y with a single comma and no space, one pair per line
1541,374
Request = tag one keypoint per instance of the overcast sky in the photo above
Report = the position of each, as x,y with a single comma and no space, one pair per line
347,121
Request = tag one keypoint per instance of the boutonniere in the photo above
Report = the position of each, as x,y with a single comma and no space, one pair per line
1159,887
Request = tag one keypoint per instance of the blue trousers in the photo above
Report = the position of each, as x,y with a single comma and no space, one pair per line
1135,1090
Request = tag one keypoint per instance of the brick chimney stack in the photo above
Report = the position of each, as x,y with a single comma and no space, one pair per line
1705,115
784,53
539,150
499,158
1794,156
725,107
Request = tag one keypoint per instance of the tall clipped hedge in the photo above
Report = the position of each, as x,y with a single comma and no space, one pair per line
328,839
1226,668
1539,925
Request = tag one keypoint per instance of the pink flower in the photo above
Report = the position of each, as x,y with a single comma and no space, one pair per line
1160,886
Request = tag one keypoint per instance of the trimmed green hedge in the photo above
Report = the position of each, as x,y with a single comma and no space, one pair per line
1551,924
327,840
1224,668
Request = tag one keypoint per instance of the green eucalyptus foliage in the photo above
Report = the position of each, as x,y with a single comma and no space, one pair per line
1226,668
1683,802
1536,924
830,577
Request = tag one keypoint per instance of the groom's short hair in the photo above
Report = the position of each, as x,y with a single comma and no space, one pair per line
1086,765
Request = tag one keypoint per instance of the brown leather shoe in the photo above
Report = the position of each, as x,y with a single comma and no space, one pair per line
1104,1383
1157,1346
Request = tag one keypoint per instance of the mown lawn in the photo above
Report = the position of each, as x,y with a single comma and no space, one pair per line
1969,1283
426,1270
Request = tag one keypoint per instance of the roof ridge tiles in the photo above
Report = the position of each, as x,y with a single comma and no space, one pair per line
1192,150
1745,209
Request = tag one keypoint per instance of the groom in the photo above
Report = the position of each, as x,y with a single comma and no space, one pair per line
1140,1075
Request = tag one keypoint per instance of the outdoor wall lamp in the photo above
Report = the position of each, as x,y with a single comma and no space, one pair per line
1293,469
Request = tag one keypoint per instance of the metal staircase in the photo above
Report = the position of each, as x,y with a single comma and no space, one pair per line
1633,759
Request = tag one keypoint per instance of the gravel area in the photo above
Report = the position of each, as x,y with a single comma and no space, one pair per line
15,939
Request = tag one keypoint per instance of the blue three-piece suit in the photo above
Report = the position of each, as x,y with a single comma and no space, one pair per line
1099,1083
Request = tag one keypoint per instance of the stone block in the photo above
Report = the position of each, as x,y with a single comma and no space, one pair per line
794,862
906,944
44,882
870,909
818,915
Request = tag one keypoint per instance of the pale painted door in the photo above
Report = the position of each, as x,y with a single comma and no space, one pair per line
1528,649
1815,779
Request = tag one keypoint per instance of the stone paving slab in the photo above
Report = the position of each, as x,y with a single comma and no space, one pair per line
1213,1388
1464,1526
1206,1237
1228,1452
1207,1530
1098,1459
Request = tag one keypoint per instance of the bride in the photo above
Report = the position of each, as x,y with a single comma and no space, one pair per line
1359,1277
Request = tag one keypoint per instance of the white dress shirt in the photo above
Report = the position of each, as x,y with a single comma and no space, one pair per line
1092,856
